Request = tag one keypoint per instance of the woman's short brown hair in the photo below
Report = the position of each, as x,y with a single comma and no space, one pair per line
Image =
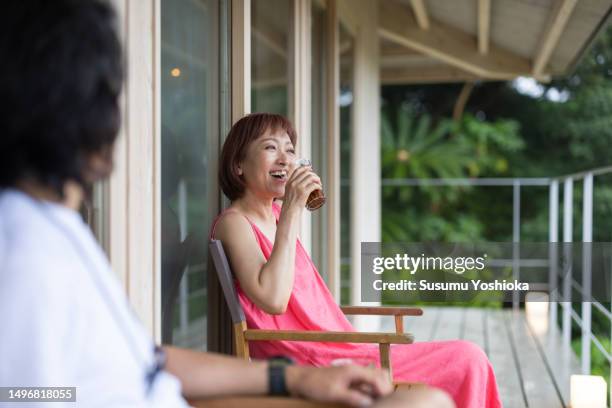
241,135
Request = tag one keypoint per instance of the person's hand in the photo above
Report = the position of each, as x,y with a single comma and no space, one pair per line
300,184
353,385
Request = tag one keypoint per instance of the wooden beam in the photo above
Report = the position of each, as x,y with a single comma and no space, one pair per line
132,212
348,16
332,190
365,212
449,45
381,311
240,344
399,324
385,357
300,103
462,100
392,49
556,24
424,75
484,25
420,13
115,200
407,61
328,336
241,59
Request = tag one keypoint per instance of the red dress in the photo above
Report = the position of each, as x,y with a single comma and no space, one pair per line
459,367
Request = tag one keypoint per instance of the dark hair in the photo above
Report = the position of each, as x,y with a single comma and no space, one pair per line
240,136
60,78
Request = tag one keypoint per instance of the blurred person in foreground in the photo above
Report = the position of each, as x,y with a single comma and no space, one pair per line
65,319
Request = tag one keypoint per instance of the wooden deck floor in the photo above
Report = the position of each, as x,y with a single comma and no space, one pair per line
532,370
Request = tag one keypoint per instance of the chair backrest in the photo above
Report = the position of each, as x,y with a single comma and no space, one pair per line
225,278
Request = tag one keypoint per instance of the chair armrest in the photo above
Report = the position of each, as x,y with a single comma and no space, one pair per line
383,311
328,336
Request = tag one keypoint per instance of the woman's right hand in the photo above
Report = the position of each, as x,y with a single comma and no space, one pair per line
300,184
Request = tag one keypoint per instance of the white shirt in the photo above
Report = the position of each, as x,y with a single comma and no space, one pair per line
64,319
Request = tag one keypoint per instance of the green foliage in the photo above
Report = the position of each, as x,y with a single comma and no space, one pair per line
503,134
418,147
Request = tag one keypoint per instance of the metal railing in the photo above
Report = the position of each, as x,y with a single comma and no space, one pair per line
562,298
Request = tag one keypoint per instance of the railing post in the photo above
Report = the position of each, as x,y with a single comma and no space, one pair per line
568,187
516,239
553,238
587,239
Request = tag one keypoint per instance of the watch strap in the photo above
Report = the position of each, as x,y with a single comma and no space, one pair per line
276,380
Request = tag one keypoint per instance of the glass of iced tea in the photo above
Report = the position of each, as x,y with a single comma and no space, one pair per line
316,199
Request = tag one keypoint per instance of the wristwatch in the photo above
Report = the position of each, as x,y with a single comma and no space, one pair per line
276,375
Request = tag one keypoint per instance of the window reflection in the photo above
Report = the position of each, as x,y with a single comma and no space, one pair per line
189,92
270,55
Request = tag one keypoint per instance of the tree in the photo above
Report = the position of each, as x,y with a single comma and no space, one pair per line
416,147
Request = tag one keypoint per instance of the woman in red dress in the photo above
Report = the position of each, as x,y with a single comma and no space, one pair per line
279,286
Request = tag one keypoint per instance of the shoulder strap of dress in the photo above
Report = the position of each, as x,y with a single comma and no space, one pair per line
223,213
216,221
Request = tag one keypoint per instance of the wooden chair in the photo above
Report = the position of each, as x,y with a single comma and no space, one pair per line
242,335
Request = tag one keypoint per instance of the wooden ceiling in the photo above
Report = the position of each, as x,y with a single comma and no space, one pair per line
462,40
429,41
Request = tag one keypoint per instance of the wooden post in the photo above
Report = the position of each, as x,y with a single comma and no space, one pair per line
241,59
300,95
133,191
365,139
332,190
399,324
242,345
385,356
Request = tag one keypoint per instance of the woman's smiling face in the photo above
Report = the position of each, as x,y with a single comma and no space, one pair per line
268,164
